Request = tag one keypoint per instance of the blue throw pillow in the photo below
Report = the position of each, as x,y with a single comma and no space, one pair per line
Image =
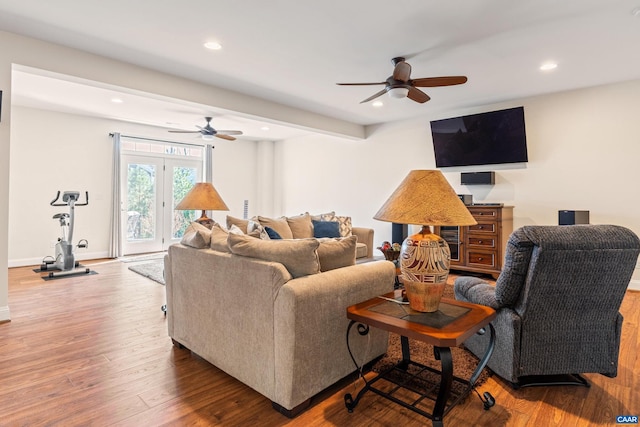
326,228
273,234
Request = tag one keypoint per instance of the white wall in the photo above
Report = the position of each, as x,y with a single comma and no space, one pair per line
53,151
584,150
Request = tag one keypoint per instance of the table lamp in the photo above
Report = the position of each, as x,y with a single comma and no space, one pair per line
425,198
205,197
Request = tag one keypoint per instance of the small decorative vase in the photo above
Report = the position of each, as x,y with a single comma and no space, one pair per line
424,262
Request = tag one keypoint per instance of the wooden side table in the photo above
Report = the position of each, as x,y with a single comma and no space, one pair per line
450,326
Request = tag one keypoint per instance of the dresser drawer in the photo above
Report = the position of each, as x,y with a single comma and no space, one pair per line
480,213
484,259
487,242
484,227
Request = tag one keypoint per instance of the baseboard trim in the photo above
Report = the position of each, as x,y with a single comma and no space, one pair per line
24,262
634,285
5,316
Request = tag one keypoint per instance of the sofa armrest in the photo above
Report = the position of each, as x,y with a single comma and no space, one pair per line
310,326
365,235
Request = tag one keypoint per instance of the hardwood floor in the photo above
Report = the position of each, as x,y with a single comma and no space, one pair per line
93,350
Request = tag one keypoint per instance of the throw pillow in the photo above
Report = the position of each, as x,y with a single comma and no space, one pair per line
272,234
219,239
256,227
240,223
337,253
279,224
301,226
318,217
196,236
326,229
298,256
345,223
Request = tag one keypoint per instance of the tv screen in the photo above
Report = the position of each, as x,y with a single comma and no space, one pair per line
480,139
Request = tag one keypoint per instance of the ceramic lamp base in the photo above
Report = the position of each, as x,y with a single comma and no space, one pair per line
424,261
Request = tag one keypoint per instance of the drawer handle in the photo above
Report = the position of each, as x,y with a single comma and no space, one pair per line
479,258
480,227
479,242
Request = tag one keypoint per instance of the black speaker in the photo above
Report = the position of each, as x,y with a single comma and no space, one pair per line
399,232
573,217
477,178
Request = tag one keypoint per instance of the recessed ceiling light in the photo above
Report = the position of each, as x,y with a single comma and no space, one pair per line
547,66
117,100
213,45
377,104
264,128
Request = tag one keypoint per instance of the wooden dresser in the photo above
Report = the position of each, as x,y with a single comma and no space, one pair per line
480,248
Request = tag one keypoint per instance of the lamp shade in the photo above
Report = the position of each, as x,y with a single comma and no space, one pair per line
202,196
425,198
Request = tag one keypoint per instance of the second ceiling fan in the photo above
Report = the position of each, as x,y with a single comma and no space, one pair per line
400,84
208,132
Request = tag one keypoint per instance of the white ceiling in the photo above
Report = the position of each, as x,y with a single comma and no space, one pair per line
293,52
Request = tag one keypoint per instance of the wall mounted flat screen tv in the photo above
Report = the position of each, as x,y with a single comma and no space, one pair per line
494,137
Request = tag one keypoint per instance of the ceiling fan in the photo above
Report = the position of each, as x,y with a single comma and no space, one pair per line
401,85
209,132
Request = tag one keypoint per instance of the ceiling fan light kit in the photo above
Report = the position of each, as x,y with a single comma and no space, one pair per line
400,84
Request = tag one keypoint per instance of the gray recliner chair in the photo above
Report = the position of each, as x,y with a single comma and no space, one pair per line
557,301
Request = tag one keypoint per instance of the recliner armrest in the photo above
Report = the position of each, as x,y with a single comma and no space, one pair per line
476,291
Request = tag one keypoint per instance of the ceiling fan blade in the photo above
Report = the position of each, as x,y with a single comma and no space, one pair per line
402,71
184,131
361,84
439,81
223,136
418,95
382,92
230,132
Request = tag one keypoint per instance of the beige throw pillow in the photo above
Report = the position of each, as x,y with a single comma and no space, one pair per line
239,222
298,256
219,239
301,226
280,225
196,236
337,253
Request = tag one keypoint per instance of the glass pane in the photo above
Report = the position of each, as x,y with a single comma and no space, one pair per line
183,180
452,235
141,201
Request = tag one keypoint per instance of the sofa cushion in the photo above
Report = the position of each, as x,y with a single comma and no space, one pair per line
299,256
219,239
301,226
337,253
197,236
361,250
326,229
279,224
241,223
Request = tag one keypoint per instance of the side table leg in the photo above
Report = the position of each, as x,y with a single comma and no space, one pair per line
406,355
443,354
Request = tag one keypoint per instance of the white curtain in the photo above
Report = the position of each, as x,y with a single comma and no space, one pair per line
115,241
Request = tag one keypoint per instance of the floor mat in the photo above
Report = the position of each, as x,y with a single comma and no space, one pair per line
154,270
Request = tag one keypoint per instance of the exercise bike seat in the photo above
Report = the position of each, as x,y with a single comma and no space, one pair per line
61,215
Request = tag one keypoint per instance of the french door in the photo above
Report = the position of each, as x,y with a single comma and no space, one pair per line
151,188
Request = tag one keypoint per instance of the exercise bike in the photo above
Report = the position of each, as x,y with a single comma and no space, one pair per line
65,260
